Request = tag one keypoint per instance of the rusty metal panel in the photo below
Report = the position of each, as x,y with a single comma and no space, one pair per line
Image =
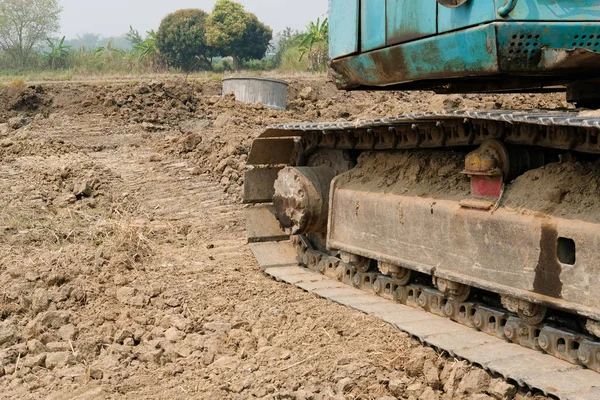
262,225
543,47
343,27
408,20
372,24
439,57
259,185
271,151
507,252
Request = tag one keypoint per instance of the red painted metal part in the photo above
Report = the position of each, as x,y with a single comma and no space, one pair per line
486,186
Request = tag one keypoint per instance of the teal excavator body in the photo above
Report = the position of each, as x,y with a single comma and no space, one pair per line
464,45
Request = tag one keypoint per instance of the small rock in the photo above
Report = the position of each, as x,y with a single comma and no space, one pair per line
344,385
54,347
15,383
173,302
54,319
129,342
157,332
109,102
149,127
502,390
222,120
432,375
429,394
35,361
34,347
190,143
17,122
174,335
39,300
414,366
125,293
8,335
475,381
218,327
59,360
83,188
106,364
154,290
120,280
480,396
193,126
71,372
414,390
96,373
150,355
121,335
67,332
308,93
396,387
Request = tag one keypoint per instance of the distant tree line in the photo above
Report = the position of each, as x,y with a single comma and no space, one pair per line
189,39
228,38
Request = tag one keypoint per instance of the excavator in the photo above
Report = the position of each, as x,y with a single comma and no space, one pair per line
476,231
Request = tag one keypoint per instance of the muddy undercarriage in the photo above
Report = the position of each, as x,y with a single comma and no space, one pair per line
489,219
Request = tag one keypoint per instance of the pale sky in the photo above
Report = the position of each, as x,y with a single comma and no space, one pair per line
113,17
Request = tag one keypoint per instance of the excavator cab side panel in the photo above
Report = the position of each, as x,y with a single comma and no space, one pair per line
372,23
409,20
343,27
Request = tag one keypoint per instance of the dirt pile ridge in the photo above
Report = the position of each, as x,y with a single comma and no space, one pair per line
124,271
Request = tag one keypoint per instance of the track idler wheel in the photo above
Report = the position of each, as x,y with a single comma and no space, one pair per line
401,275
455,291
301,199
362,264
530,313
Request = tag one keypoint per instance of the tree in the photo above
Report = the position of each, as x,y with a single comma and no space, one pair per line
232,31
181,40
25,24
134,37
316,36
59,54
284,40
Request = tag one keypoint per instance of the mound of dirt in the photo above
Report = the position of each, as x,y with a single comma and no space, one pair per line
18,101
435,174
568,189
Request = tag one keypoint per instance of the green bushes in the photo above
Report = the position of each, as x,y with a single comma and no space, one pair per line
181,40
228,39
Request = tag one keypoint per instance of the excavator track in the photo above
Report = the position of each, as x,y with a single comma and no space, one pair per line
554,356
526,367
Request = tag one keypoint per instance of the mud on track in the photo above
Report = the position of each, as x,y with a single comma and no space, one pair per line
124,271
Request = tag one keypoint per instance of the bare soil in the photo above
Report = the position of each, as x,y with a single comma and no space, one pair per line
124,271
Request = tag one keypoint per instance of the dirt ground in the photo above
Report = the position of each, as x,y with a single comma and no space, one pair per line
124,271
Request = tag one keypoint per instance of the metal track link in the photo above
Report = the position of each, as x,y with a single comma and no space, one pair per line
562,130
562,343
